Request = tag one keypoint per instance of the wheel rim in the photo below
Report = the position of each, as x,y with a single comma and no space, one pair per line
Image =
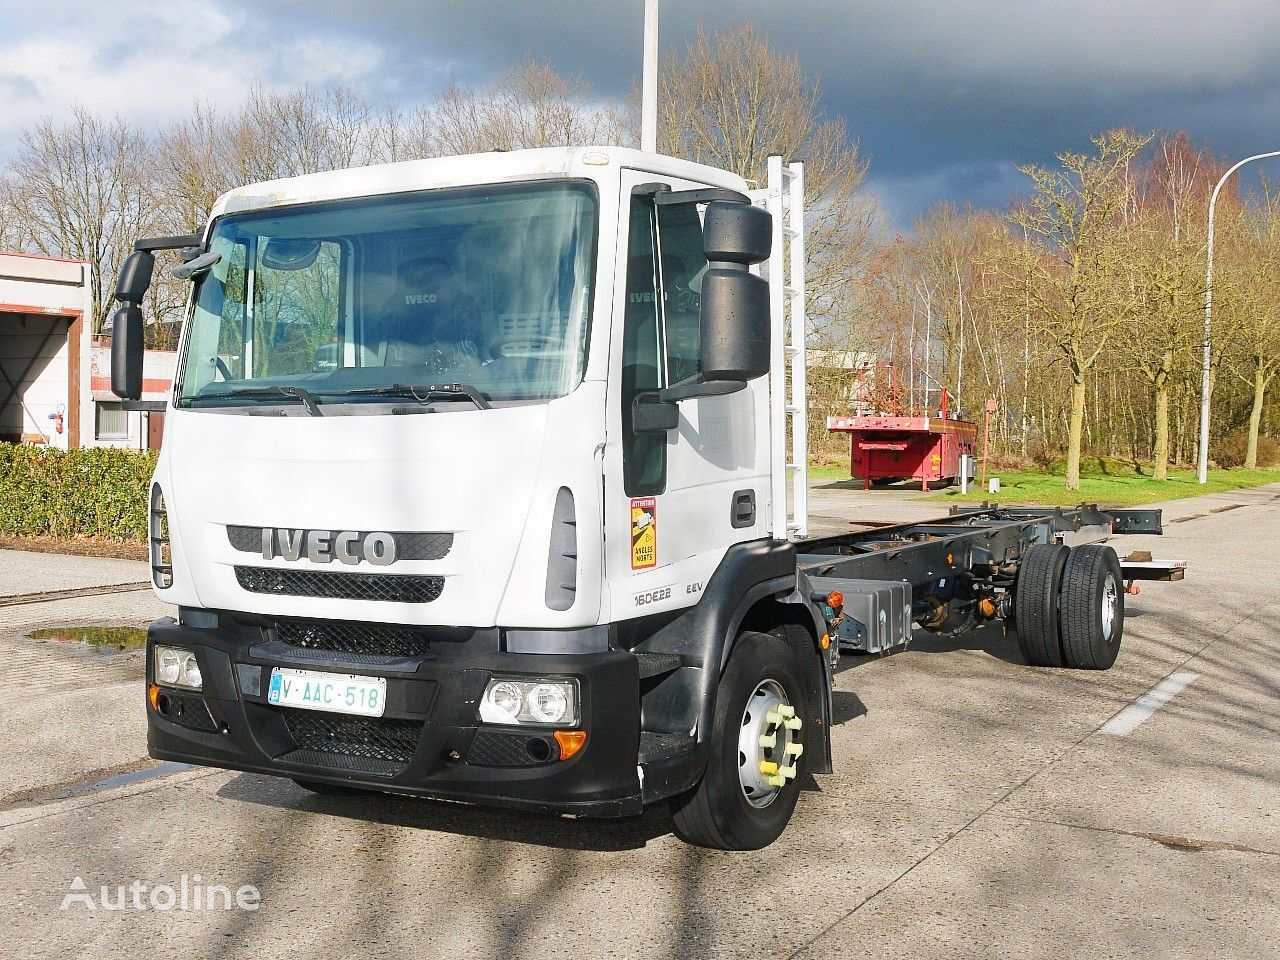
1110,599
768,744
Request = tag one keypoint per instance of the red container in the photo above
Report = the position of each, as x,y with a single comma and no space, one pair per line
927,449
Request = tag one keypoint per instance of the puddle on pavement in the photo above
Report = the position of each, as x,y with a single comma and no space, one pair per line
102,639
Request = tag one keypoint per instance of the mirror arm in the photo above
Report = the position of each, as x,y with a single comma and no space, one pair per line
701,195
699,386
168,243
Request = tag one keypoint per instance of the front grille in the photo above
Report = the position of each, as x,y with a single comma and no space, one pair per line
409,546
340,586
373,738
377,639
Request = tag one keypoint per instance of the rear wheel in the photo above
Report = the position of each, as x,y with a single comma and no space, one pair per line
1092,611
750,787
1035,604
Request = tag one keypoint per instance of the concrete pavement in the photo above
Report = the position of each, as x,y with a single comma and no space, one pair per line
977,811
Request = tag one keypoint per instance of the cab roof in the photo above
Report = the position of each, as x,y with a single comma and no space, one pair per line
466,170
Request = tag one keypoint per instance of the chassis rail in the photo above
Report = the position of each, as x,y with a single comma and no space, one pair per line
959,568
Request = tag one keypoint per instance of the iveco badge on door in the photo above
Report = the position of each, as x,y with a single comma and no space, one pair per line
325,546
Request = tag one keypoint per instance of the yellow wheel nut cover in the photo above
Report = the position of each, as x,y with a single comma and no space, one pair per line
768,767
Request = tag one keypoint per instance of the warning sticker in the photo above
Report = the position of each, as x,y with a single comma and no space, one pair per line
644,533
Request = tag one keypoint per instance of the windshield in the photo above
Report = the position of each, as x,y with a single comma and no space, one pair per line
357,301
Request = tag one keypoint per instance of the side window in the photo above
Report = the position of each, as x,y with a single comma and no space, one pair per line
644,456
683,266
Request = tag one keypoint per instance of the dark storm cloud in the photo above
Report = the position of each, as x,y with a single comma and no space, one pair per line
947,98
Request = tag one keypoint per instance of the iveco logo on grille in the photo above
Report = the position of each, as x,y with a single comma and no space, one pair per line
325,546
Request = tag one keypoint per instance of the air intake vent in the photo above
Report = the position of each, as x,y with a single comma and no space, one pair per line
562,555
340,586
391,741
367,639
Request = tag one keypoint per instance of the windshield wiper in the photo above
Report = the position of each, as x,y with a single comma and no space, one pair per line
423,393
307,398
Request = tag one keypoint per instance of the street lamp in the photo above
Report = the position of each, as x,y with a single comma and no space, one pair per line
649,80
1208,320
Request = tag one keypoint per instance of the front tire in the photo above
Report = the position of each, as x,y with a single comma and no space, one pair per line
750,787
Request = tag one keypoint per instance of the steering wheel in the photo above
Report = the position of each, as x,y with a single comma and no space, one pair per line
222,368
509,343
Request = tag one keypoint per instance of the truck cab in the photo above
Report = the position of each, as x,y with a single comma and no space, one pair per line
474,487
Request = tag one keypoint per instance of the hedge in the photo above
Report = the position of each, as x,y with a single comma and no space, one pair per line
78,493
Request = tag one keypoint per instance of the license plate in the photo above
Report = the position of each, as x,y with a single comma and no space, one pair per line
331,692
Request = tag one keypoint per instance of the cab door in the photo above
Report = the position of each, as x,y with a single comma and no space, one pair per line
675,501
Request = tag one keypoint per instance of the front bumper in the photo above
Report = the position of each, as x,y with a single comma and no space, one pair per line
429,742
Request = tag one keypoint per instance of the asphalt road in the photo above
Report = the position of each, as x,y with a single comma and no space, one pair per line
981,808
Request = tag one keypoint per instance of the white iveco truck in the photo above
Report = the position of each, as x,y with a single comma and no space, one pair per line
483,479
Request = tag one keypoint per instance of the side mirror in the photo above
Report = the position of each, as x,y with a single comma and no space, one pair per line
652,413
126,351
135,276
735,319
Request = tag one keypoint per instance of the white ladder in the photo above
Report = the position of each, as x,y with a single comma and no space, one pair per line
783,197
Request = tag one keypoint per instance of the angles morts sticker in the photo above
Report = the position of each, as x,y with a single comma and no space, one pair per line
644,533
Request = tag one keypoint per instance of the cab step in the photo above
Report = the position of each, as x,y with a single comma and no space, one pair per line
657,664
661,746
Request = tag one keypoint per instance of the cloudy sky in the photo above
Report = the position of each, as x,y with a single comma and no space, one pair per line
947,98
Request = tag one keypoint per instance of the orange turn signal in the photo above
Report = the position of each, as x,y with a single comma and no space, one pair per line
835,599
153,697
826,641
571,742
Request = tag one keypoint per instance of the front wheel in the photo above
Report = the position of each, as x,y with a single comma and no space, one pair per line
750,787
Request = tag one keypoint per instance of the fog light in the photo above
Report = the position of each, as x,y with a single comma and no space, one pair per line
537,701
176,667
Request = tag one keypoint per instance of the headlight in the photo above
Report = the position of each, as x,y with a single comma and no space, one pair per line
176,667
161,555
537,701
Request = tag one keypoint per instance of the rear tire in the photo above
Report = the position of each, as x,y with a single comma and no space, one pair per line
719,813
1092,611
1035,604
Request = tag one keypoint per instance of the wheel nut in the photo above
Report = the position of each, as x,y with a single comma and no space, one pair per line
768,767
768,740
794,723
795,749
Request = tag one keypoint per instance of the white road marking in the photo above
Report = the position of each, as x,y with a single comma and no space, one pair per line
1137,713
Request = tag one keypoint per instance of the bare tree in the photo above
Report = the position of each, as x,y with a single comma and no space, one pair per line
731,101
79,190
1074,211
530,106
